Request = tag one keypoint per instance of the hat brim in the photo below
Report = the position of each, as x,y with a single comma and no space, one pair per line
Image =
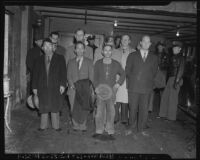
30,102
105,92
33,101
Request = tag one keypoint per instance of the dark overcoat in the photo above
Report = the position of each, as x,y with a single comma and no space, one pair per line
50,99
140,75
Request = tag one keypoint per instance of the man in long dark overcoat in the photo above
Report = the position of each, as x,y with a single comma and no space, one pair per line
49,81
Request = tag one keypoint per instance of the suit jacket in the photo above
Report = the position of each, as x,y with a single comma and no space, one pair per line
70,53
139,74
48,86
118,53
85,72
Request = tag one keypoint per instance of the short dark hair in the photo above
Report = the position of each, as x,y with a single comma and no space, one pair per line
107,38
107,44
126,35
46,40
55,33
80,29
79,42
146,35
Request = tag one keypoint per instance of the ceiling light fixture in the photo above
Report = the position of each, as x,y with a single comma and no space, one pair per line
115,23
177,33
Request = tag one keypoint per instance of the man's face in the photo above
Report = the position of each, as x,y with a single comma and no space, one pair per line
107,51
160,48
125,40
110,41
54,38
47,47
145,43
176,50
79,49
79,35
55,46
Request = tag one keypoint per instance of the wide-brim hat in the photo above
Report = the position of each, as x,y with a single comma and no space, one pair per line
105,91
91,37
33,101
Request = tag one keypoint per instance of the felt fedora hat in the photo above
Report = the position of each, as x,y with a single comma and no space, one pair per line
105,91
33,101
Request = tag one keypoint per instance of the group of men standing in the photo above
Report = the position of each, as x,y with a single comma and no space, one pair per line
124,75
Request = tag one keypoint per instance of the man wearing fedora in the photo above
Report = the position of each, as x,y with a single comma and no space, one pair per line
49,80
169,101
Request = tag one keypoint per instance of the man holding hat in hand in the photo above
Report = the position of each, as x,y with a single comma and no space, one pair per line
49,79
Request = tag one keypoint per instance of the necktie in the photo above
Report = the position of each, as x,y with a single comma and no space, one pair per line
48,60
78,63
144,56
47,66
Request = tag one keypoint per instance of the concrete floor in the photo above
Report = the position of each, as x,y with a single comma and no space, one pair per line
172,138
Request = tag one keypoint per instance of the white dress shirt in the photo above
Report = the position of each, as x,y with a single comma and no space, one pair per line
80,59
144,54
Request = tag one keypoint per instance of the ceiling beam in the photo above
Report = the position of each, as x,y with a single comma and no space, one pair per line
174,29
120,21
138,11
102,14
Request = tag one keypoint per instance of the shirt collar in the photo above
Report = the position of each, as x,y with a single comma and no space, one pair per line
79,58
143,51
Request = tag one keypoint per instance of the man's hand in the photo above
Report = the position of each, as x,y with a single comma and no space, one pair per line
35,91
28,78
97,90
116,86
175,85
62,89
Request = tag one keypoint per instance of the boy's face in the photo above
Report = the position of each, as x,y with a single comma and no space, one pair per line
107,51
79,49
145,43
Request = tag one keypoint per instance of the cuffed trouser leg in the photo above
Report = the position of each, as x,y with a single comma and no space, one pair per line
100,116
110,116
173,103
117,117
151,100
55,120
124,112
76,125
165,100
143,111
44,121
133,108
83,125
71,97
